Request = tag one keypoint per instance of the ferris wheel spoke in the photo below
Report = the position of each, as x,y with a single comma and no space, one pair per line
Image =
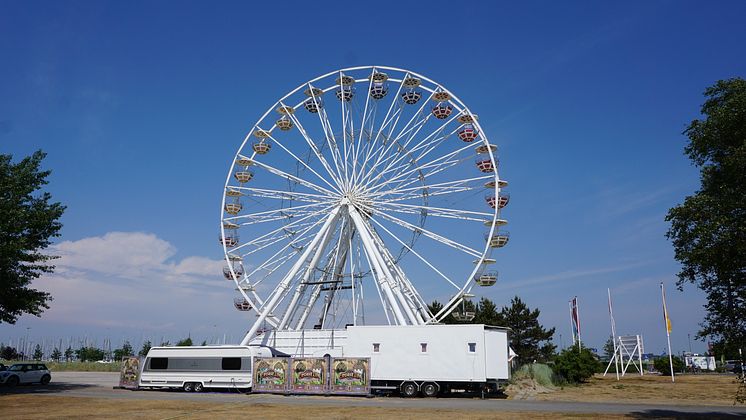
366,165
336,151
383,156
438,165
286,214
438,211
422,122
431,141
293,178
315,149
302,162
362,125
286,195
434,236
268,239
384,123
402,193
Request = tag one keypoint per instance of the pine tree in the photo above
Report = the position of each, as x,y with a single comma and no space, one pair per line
38,354
69,354
145,349
528,338
56,354
609,349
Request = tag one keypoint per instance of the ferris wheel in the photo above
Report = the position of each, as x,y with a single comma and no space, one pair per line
359,197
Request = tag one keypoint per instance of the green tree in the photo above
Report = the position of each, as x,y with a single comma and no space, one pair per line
89,354
609,349
145,349
27,222
185,342
9,353
576,365
56,354
69,354
708,230
204,343
528,338
125,351
38,354
487,314
663,365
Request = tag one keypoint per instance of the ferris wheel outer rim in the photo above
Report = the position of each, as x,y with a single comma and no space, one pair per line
459,106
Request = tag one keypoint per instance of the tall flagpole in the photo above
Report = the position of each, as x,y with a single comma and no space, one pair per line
577,322
613,335
668,331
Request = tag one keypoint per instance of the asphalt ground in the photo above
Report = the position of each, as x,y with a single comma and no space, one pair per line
101,385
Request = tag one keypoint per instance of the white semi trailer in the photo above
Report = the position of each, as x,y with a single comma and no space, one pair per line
413,360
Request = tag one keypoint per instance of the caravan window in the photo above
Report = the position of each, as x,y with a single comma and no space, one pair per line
231,363
159,363
472,347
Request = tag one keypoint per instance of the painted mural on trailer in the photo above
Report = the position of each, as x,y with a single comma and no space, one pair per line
309,375
270,374
129,375
350,376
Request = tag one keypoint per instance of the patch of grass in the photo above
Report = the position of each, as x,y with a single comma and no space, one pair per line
540,373
76,366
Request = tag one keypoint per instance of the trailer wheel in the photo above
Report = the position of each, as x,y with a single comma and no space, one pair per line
198,387
188,387
408,390
430,390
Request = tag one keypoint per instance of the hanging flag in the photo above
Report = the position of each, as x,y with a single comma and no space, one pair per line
575,317
666,319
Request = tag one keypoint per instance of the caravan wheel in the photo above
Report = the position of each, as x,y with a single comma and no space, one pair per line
198,387
430,390
409,390
188,387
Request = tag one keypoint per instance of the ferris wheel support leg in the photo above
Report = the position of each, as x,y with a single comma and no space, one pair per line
383,277
300,290
341,254
404,289
283,286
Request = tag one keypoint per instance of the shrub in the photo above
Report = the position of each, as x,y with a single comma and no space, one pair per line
576,366
662,365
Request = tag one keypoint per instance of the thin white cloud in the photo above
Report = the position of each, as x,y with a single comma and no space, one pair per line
132,280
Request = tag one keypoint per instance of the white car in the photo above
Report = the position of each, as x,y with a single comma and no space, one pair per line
25,373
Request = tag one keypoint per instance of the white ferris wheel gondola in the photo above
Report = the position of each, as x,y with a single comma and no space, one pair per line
344,200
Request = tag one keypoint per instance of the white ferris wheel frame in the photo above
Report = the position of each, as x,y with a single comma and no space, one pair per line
340,176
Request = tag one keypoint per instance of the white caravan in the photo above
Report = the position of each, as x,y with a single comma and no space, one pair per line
196,368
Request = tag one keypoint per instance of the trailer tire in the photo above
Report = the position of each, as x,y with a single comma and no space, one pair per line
409,390
188,387
430,390
198,387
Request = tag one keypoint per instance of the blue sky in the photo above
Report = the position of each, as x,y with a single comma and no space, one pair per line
141,107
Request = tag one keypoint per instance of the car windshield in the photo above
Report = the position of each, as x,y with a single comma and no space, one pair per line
16,367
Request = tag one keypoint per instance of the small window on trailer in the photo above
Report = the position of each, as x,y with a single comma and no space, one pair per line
423,347
376,347
159,363
472,347
231,363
